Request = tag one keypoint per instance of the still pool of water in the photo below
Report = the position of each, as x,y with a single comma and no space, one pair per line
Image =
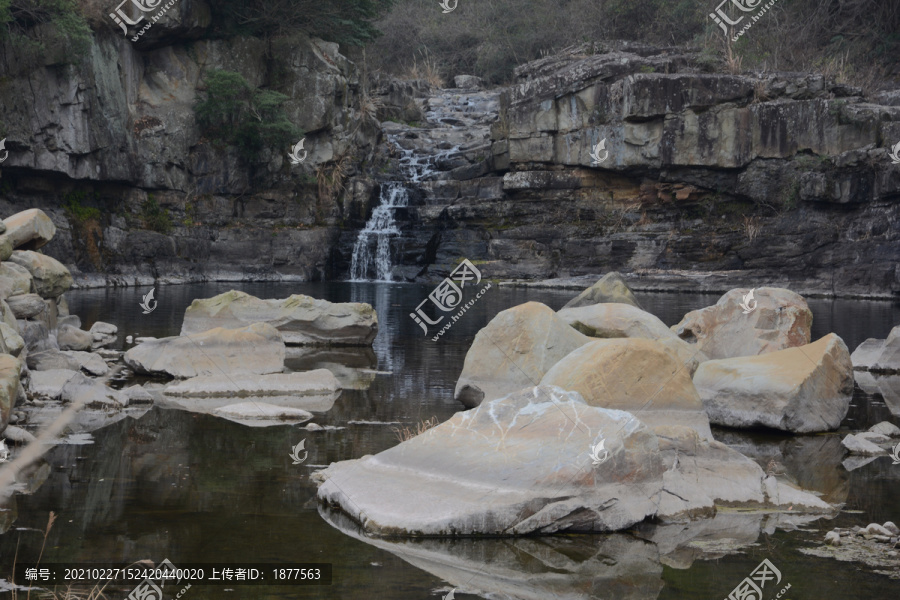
194,488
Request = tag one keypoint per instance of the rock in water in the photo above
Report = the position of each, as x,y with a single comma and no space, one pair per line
29,229
514,351
858,445
72,338
617,320
610,288
867,353
498,470
781,319
50,278
319,381
803,390
10,370
103,334
301,320
257,348
260,414
635,375
889,358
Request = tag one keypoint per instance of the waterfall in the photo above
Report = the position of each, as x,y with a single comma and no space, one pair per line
380,229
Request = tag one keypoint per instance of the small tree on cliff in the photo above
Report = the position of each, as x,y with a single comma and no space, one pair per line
235,113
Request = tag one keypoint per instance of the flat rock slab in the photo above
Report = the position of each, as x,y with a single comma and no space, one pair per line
260,414
301,320
802,390
257,348
49,383
318,382
778,319
512,466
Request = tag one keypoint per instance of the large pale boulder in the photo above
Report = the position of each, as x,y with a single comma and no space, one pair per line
617,320
802,390
50,278
781,319
512,466
634,375
6,247
26,306
14,280
318,382
514,351
10,370
610,288
29,229
257,348
12,341
867,354
300,319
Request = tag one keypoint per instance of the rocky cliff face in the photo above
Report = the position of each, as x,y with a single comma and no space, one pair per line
711,180
116,131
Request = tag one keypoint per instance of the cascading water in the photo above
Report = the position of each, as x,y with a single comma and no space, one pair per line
382,227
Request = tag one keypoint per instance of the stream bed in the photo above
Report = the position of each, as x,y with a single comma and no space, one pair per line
194,488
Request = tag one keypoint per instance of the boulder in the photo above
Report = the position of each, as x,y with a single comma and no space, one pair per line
634,375
514,351
72,338
6,247
301,320
497,470
865,355
53,359
136,394
73,320
318,382
88,362
29,229
6,315
12,341
781,319
10,371
14,280
26,306
610,288
91,393
888,360
858,445
802,390
260,414
886,428
617,320
257,348
36,336
50,278
103,334
49,383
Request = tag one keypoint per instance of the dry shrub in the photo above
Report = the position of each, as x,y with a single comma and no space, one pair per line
405,433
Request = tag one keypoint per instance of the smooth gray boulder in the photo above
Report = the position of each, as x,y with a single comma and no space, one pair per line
318,382
29,229
879,356
301,320
91,393
69,359
802,390
49,383
778,319
12,341
257,348
866,354
14,280
37,336
858,445
10,371
103,334
49,277
136,394
610,288
514,351
26,306
886,428
71,338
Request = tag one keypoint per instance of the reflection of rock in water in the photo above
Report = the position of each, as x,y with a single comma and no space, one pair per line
353,366
612,566
28,480
886,386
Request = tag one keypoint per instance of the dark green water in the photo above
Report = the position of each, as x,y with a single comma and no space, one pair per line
195,488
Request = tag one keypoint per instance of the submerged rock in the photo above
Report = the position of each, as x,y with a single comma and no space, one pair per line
318,382
781,319
634,375
257,348
514,351
802,390
610,288
300,320
29,229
